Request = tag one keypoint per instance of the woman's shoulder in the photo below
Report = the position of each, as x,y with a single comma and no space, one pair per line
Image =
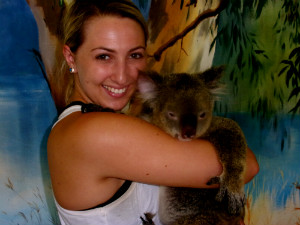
93,130
76,154
78,124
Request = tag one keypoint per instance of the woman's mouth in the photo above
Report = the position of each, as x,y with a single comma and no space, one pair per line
115,91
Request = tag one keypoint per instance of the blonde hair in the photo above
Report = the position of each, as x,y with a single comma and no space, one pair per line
72,26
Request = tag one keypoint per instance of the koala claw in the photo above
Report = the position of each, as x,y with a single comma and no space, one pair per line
148,219
214,180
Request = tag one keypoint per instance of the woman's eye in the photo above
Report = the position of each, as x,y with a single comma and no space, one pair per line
136,55
103,57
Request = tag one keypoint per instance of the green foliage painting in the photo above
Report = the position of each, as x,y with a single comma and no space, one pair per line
260,41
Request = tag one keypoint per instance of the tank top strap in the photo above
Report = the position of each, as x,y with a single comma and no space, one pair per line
67,111
78,106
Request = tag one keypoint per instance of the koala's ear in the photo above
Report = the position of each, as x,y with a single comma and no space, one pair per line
212,76
147,84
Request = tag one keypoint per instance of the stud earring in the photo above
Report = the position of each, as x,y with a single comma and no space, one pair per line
72,70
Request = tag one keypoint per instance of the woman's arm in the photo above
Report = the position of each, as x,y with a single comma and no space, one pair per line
90,155
252,167
118,146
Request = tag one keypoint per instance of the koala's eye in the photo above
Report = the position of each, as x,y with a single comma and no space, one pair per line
202,115
172,115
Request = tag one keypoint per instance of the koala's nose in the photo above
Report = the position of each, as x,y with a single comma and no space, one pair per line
188,126
188,132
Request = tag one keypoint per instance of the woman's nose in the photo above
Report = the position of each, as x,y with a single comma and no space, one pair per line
120,72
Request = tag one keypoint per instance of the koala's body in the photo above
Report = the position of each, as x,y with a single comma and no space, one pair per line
182,105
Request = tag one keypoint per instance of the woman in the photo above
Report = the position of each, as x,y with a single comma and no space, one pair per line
94,156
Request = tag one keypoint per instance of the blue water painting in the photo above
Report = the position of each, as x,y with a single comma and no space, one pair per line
27,112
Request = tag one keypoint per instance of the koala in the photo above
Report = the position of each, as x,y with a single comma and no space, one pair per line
182,105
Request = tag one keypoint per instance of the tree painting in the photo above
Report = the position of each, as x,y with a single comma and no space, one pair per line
248,51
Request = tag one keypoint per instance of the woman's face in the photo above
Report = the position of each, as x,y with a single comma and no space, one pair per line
108,61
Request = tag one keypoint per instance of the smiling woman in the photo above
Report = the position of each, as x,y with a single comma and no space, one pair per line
107,63
73,34
104,166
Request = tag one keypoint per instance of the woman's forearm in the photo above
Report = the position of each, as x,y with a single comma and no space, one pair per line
252,167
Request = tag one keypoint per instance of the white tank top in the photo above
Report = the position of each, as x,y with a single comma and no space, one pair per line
128,209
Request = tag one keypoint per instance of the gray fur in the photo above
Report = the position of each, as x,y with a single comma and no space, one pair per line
182,105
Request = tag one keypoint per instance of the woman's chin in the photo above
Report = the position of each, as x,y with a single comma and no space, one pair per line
117,105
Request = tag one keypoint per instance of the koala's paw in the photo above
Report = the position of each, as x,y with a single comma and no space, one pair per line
235,200
214,180
148,219
221,193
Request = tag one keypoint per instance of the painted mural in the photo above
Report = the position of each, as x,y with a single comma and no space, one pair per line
258,41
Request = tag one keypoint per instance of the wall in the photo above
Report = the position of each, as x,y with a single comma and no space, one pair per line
257,40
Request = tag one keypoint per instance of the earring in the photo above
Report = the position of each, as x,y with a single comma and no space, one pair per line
72,70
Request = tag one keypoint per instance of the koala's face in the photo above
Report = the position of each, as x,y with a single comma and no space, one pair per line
181,104
184,113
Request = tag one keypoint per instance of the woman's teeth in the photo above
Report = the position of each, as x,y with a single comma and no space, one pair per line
114,90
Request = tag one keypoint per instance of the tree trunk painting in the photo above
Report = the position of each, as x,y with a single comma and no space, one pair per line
182,43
